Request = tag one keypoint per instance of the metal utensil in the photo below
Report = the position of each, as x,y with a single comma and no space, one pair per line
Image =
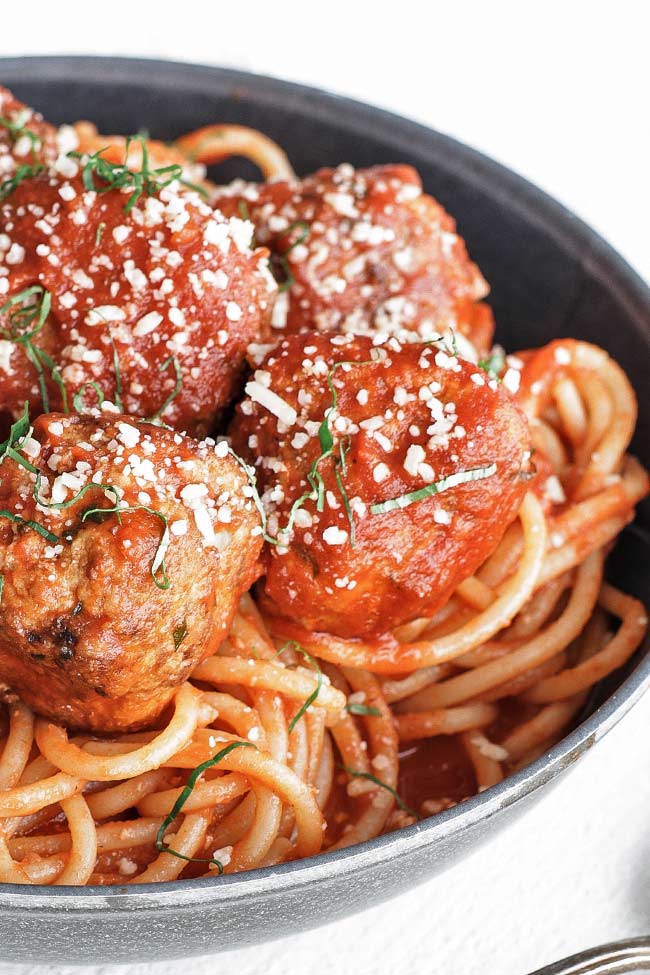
615,958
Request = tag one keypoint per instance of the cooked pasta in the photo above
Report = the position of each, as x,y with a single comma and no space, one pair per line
310,727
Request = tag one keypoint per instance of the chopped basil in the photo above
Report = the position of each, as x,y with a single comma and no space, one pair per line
26,319
185,795
326,441
158,566
363,710
34,525
494,363
171,361
373,778
101,227
289,279
444,484
22,173
77,399
18,130
101,176
295,646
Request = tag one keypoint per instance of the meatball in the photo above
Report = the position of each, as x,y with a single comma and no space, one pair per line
365,251
149,294
105,612
341,435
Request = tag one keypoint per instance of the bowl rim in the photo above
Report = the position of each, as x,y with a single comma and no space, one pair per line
574,236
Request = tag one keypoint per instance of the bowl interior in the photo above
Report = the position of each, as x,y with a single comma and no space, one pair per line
550,275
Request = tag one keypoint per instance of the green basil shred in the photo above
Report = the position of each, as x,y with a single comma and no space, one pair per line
171,361
384,785
77,399
289,279
22,173
161,846
101,176
326,441
158,566
363,710
444,484
26,319
18,130
494,363
295,646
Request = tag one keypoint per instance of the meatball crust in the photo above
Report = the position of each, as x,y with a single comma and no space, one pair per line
156,305
90,634
405,417
365,251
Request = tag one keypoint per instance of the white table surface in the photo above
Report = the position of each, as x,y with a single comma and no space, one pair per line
558,92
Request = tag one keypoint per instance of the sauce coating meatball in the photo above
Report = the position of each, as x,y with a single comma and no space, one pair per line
26,139
153,296
365,251
103,615
345,427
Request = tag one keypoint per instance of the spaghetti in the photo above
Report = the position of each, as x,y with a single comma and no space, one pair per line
306,741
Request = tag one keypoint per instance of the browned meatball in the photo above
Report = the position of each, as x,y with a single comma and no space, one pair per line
405,417
365,251
154,297
103,615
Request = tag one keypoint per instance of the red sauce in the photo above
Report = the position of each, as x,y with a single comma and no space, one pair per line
434,768
431,769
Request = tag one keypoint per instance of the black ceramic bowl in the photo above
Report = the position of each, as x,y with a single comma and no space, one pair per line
550,276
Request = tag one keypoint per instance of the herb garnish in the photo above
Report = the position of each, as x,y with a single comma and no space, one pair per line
116,370
22,173
444,484
77,399
384,785
314,477
282,259
34,525
61,505
185,795
26,319
99,233
118,176
295,646
494,363
171,361
364,710
18,130
257,501
158,564
18,434
19,431
326,440
341,468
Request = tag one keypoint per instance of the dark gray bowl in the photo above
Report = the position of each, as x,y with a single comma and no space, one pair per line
551,276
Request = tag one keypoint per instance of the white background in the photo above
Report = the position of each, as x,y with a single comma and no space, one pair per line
558,92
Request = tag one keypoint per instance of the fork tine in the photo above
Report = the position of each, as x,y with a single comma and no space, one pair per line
615,958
